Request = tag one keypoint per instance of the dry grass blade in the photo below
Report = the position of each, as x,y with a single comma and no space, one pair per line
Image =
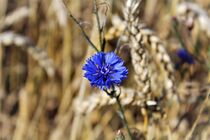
205,102
14,17
60,10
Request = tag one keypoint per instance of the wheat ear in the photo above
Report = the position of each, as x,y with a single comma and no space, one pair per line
189,10
98,100
38,54
138,53
153,44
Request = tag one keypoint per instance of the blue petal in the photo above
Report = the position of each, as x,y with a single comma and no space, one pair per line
90,65
105,70
116,76
98,58
185,56
111,58
89,69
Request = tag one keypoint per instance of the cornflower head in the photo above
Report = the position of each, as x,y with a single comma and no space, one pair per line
105,70
185,56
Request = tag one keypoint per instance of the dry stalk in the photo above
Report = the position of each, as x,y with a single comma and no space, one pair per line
32,127
38,54
3,9
204,104
58,8
24,116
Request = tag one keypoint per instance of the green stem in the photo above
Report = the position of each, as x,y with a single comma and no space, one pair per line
125,123
177,34
83,32
113,94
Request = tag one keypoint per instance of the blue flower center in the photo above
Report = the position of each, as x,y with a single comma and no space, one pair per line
105,70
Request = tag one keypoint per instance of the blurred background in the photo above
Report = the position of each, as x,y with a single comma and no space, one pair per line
41,56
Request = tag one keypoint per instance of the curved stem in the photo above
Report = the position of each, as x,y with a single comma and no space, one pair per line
81,28
113,94
125,123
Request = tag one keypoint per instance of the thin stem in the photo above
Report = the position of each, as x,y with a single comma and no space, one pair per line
125,123
119,41
208,60
100,29
82,29
113,94
174,23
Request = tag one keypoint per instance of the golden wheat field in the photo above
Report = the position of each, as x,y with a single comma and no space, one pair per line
45,90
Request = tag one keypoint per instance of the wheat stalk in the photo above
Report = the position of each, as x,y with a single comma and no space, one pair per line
58,7
38,54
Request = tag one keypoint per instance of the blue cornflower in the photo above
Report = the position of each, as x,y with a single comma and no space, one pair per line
104,70
185,56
